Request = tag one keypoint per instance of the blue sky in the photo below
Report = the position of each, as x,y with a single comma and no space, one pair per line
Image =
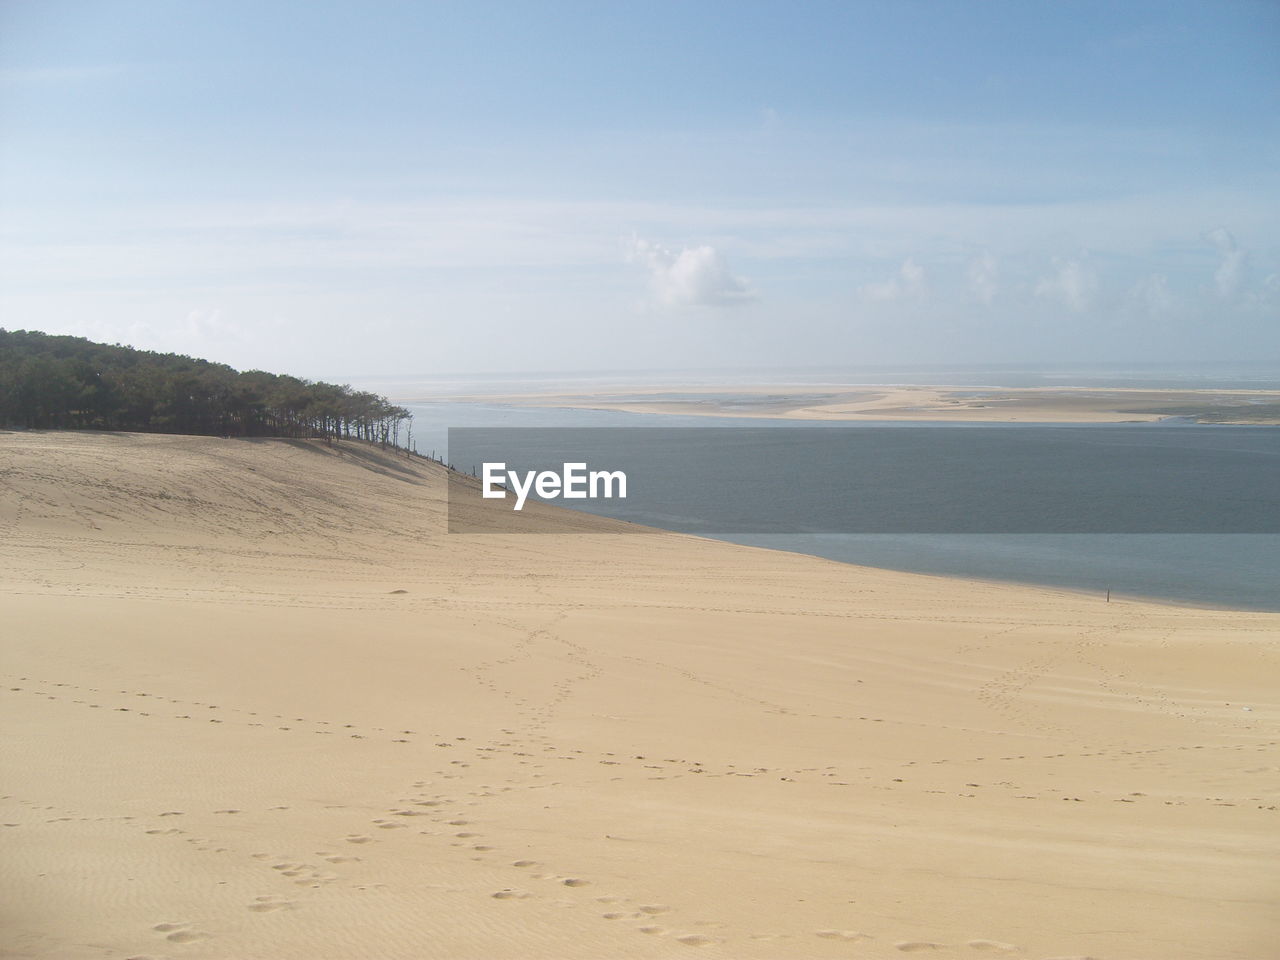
397,188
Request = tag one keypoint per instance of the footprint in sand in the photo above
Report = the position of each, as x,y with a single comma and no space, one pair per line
994,946
186,936
270,905
574,882
842,935
509,895
653,909
355,839
696,940
179,932
915,946
525,863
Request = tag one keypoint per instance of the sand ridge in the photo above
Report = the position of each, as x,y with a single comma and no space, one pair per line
258,704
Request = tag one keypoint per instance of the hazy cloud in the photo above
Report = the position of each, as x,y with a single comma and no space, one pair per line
1230,273
695,276
908,283
1071,282
206,323
1265,295
983,275
1151,295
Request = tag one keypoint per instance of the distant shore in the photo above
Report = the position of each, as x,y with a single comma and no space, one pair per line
951,404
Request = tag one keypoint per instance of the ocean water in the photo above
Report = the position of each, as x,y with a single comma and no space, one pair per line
1233,570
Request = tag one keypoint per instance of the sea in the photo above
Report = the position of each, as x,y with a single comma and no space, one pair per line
1233,570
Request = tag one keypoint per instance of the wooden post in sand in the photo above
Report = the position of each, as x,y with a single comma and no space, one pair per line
1108,594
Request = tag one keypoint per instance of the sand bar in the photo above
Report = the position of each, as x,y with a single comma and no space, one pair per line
948,404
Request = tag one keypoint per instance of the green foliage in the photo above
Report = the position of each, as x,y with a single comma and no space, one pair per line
70,382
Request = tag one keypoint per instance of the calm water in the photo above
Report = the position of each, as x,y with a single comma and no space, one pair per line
1230,570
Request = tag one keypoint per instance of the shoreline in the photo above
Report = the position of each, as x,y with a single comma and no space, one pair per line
1188,603
1083,593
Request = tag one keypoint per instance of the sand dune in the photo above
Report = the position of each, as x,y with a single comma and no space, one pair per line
258,704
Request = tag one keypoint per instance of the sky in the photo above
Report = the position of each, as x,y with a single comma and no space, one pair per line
388,188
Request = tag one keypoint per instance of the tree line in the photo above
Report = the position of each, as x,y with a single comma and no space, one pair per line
59,382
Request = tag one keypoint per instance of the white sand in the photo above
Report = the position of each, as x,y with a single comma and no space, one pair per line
228,735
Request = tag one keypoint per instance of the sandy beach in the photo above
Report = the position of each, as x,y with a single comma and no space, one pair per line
258,704
947,404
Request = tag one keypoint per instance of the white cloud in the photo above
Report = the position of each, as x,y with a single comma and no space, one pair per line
1230,273
695,276
983,275
907,284
1072,282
